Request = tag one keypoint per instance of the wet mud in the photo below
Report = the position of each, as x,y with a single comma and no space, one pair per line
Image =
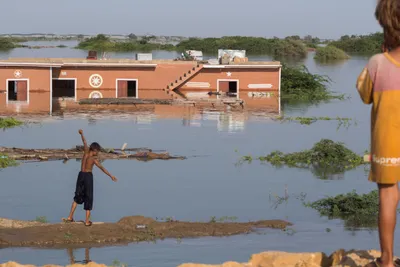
126,230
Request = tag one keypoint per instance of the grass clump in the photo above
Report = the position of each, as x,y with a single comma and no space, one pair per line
330,53
357,210
325,158
311,120
5,161
325,153
41,219
299,84
6,123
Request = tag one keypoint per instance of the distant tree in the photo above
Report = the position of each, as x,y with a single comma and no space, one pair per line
132,36
80,36
344,38
308,38
293,37
146,39
101,37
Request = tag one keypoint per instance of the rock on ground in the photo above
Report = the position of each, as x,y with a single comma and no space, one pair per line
340,258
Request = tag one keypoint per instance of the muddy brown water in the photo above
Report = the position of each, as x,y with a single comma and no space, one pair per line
206,184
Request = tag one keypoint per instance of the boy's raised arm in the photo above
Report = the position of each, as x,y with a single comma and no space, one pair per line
85,146
98,164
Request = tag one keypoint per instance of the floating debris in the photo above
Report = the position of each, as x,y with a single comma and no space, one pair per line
77,153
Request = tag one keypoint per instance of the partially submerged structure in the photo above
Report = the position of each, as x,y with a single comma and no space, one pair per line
43,85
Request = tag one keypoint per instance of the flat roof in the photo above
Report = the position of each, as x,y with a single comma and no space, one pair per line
60,62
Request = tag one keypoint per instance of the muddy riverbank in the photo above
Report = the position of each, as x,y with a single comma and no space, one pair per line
36,234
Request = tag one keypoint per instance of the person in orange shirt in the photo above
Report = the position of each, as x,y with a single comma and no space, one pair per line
379,85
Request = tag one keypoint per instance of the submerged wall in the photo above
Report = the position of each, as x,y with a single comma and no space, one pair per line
37,81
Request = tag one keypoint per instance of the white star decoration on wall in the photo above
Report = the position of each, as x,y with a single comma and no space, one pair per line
228,74
17,74
95,80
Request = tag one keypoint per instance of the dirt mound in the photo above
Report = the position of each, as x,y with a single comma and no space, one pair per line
8,223
127,229
132,221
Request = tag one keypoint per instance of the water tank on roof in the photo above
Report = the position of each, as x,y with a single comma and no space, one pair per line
92,55
144,56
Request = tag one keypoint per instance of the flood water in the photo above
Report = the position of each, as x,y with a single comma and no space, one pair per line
207,184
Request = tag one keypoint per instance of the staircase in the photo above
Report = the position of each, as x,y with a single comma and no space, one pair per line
170,88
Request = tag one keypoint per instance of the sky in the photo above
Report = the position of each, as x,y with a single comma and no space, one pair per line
203,18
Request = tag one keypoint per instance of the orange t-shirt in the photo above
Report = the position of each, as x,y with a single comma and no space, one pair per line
379,84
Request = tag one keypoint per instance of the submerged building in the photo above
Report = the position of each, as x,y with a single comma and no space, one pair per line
43,85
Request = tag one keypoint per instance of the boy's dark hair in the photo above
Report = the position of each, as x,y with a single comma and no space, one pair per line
95,147
388,14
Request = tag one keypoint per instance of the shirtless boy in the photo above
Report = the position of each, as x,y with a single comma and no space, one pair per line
84,183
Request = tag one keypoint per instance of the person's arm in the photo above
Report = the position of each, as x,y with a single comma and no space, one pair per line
85,146
98,164
366,80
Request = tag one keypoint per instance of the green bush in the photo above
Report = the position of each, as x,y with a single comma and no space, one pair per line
103,44
252,45
360,43
299,84
330,53
357,210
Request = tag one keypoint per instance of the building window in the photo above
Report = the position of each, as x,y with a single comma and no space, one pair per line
64,88
17,90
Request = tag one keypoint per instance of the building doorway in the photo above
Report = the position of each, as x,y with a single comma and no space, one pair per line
228,88
17,91
127,88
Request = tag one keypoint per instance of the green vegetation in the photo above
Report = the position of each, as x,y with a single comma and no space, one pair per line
6,43
289,48
330,53
252,45
355,209
5,161
310,120
299,84
103,43
41,219
360,43
6,123
325,158
223,219
118,263
68,235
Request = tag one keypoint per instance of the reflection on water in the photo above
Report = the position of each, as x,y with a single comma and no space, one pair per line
72,259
